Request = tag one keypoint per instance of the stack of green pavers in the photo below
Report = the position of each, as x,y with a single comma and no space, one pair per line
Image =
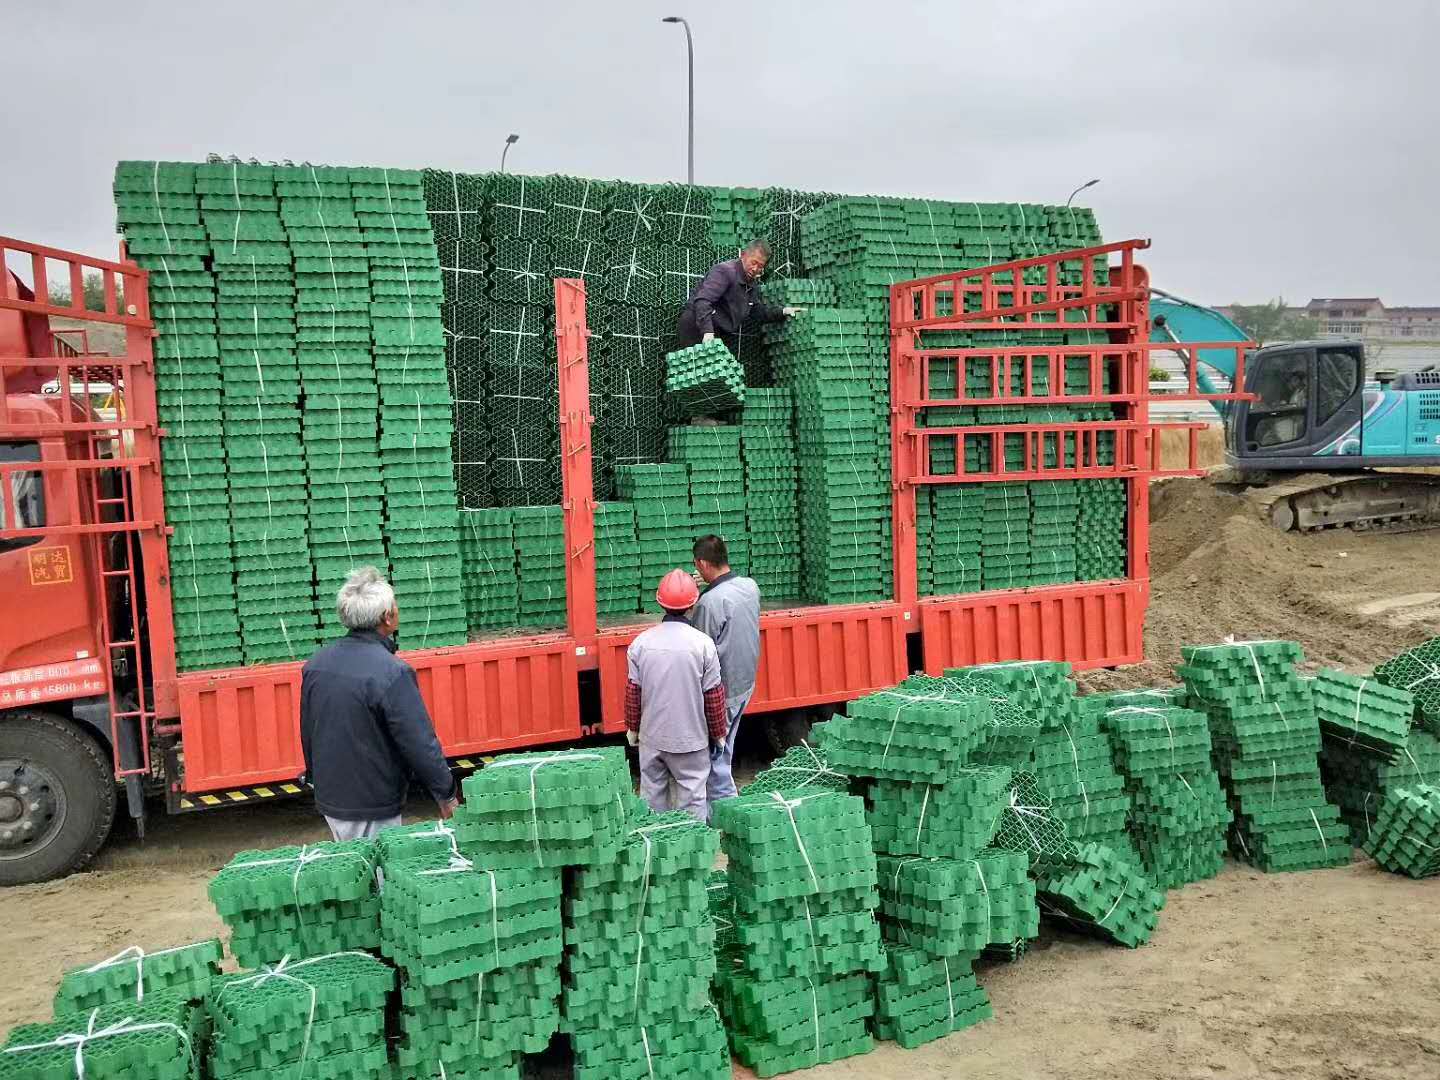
299,901
703,380
839,387
158,210
323,1016
1417,671
1178,815
545,810
134,975
479,955
421,525
1005,541
491,581
1100,891
265,456
663,527
1266,738
160,1038
899,734
1100,530
920,997
953,819
617,560
794,990
540,553
956,907
337,375
711,454
1406,838
402,843
952,519
627,371
522,405
640,953
1054,512
772,510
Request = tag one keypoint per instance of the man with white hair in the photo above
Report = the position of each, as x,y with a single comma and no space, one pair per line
363,725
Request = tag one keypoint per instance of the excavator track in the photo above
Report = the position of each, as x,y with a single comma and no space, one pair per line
1363,501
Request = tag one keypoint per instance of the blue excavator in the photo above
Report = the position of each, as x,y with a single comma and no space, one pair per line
1319,445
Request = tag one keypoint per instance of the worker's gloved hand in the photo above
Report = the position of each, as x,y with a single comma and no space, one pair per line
716,749
699,581
789,311
632,737
447,808
707,339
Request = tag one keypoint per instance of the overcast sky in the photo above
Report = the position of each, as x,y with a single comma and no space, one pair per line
1267,147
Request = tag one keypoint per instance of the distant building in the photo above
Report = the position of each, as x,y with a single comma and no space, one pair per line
1395,338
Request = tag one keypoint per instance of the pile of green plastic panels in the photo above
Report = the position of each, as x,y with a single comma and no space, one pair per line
1266,739
324,1016
1417,671
545,810
1054,512
402,843
640,953
1179,815
957,907
663,525
159,1038
1099,891
772,509
920,997
540,550
1100,531
952,819
1406,837
134,975
299,901
1362,713
795,990
491,581
703,380
1358,781
902,734
711,455
451,928
617,559
627,371
1005,536
951,529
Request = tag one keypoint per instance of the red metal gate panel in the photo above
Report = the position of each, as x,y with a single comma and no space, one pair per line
1088,625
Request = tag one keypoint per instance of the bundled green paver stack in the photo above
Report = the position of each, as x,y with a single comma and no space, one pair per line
1101,892
337,375
663,525
954,819
794,991
299,901
1417,671
840,389
952,519
617,559
1100,530
1266,737
1054,513
902,735
703,380
639,955
522,405
403,843
1005,540
158,210
265,455
1042,688
798,768
324,1015
540,555
452,928
956,907
772,510
421,525
1406,837
1359,781
546,810
1074,767
711,453
920,998
157,1038
491,579
1179,815
1362,713
135,974
627,372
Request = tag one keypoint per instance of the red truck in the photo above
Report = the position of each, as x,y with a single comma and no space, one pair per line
90,701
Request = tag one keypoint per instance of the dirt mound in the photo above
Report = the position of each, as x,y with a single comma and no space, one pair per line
1216,569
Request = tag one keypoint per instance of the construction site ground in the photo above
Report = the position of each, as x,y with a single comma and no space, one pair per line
1328,975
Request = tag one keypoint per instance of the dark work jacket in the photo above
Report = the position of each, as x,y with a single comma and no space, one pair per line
364,729
725,298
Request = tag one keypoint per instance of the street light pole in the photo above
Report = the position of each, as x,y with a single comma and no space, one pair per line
510,140
690,66
1082,187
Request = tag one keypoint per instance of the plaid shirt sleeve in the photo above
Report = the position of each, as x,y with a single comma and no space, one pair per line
715,712
632,705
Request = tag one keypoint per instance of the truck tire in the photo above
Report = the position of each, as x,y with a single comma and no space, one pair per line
57,797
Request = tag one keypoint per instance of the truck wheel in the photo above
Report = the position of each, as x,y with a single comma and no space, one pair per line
787,729
57,798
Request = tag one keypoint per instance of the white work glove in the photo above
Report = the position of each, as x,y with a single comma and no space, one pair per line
707,339
632,737
790,311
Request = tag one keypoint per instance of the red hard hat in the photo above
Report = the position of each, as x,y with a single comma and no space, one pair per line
677,591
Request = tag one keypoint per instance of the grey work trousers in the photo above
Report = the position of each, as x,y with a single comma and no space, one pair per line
359,830
689,772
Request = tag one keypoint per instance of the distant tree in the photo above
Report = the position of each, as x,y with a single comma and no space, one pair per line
1272,322
94,286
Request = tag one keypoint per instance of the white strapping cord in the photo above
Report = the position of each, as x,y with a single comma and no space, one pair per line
536,764
78,1039
139,956
789,805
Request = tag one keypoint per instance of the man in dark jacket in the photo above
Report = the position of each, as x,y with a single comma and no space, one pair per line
363,725
726,299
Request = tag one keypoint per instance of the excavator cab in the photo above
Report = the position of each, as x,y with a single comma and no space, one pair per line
1307,411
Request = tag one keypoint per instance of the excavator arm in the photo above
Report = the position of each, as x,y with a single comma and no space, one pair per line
1177,320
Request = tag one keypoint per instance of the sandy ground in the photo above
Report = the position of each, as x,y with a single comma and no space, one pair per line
1331,975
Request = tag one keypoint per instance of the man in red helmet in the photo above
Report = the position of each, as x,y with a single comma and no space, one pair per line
675,703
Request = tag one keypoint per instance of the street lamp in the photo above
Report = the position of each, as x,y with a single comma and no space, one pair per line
690,64
1082,187
510,140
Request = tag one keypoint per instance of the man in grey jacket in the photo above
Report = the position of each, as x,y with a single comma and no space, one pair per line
729,612
726,299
